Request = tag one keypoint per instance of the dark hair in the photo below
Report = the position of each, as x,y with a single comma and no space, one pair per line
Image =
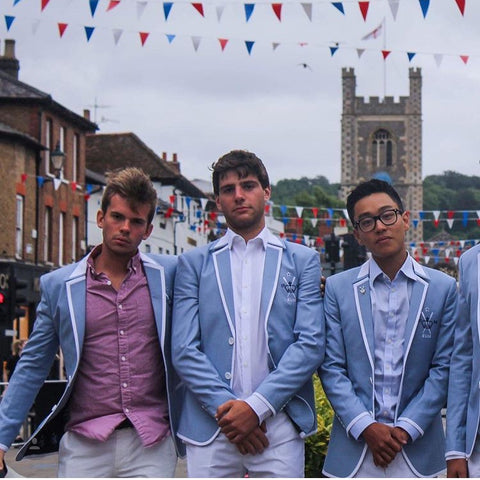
367,188
244,163
132,184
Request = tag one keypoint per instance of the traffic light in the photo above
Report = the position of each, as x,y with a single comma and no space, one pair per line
18,296
4,306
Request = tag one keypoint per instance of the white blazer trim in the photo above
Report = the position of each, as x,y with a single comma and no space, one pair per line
69,285
360,316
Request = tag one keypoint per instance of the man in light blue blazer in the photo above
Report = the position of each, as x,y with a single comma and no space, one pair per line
110,315
389,326
463,410
247,335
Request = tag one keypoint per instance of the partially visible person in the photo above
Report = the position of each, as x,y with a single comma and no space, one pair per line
11,362
463,410
110,315
390,326
247,335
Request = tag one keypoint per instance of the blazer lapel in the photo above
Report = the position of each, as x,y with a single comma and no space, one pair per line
363,304
156,282
417,299
76,301
223,273
271,272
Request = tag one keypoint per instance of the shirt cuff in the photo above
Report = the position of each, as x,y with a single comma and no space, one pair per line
3,447
410,429
455,455
360,425
260,407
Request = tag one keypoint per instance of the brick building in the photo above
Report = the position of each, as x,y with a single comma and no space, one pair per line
382,138
42,225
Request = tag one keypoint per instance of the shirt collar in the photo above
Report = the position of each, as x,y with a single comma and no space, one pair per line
133,264
406,269
265,236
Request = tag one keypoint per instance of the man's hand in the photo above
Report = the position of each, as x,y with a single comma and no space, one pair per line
384,442
3,466
236,420
457,468
255,442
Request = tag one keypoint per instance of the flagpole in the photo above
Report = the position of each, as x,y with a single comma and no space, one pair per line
384,60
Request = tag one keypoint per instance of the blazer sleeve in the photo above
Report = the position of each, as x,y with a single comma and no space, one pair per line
31,371
430,399
192,365
461,376
303,356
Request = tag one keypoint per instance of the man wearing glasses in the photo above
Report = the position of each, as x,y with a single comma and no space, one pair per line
389,327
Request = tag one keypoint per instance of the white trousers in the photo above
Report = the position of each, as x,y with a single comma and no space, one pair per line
122,455
474,462
284,457
398,468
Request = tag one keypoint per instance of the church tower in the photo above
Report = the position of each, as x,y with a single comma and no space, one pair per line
383,139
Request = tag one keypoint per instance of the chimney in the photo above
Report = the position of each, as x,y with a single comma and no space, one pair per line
86,114
173,164
8,63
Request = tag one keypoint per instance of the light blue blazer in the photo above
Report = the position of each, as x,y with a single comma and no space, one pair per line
464,387
348,376
203,334
60,322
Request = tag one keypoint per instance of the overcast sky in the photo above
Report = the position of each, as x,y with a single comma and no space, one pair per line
201,104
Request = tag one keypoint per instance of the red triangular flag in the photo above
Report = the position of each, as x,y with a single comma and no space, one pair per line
277,8
436,222
364,9
450,214
464,58
61,28
199,8
223,43
112,4
73,186
315,211
386,53
461,6
44,4
143,37
23,177
267,208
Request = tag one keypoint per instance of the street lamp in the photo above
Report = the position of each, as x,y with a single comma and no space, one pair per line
57,157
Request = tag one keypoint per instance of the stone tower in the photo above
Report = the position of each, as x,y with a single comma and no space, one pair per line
383,139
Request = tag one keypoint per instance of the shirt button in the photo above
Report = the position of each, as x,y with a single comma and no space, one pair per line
228,375
109,282
122,332
231,341
120,306
124,385
127,410
123,358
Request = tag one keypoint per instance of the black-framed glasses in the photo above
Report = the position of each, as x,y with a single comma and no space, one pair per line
387,217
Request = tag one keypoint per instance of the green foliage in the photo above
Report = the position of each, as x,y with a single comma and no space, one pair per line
316,445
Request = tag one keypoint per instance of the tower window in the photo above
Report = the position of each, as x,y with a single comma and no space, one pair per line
382,149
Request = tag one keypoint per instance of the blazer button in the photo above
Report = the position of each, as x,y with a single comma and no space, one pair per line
231,341
228,375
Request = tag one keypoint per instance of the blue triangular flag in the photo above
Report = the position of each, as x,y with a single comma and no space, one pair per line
424,4
339,6
9,20
410,55
249,45
93,6
170,37
88,32
167,6
249,10
333,50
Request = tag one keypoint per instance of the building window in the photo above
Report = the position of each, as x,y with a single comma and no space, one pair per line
47,237
19,227
148,248
382,149
74,238
76,158
48,144
61,237
61,141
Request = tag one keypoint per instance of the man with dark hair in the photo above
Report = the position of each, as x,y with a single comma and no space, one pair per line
247,335
110,315
389,327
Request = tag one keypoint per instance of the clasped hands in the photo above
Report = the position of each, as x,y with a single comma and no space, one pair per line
384,442
239,423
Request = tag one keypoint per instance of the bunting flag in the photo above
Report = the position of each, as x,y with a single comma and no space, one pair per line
140,9
385,54
424,4
364,9
88,32
170,37
275,45
461,6
464,58
93,7
167,6
15,2
249,44
249,7
112,4
199,8
61,28
143,37
277,10
223,43
307,8
333,50
394,7
219,9
44,4
410,56
8,21
360,52
196,42
339,7
117,33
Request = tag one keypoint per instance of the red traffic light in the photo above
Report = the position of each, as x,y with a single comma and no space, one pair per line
2,298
